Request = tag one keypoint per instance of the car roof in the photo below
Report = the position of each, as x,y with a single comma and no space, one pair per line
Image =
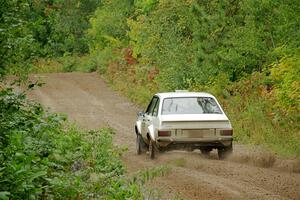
183,94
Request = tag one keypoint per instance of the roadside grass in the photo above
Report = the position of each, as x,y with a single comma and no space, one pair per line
66,63
253,127
256,120
139,94
145,176
149,174
44,65
179,162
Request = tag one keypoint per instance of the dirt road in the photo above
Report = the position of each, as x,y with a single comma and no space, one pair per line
87,99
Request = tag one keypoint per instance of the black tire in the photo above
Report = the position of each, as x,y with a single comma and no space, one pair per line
224,152
151,149
140,144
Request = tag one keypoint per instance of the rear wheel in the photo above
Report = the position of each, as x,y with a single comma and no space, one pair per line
151,149
224,152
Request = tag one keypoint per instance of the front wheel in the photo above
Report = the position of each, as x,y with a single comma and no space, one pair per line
139,144
151,149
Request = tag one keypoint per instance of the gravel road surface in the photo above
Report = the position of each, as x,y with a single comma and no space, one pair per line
248,174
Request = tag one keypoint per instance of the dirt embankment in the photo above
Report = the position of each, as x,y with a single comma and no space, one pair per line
248,174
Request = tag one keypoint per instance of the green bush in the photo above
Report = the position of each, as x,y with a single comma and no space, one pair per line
42,157
286,82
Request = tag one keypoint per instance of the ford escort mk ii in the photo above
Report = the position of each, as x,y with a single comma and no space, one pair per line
183,120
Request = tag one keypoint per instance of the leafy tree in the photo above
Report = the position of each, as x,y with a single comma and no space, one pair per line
17,45
31,29
286,82
109,24
68,21
205,38
163,39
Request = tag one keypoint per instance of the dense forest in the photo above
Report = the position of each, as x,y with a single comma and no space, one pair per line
247,53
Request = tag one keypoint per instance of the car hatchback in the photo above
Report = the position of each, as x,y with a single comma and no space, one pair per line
183,120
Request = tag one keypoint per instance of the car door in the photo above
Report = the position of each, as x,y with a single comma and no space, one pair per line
154,120
148,117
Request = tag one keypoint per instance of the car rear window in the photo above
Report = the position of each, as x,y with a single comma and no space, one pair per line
190,105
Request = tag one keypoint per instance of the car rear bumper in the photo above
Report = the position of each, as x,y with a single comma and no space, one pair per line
182,139
179,143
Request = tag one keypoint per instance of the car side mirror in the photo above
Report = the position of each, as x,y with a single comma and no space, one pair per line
140,114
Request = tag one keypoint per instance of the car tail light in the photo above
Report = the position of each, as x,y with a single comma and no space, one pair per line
228,132
164,133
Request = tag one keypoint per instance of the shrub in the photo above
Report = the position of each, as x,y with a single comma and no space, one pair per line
42,157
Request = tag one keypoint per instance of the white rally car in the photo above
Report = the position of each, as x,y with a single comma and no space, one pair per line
183,120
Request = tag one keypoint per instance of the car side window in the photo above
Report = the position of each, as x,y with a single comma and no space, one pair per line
155,110
151,106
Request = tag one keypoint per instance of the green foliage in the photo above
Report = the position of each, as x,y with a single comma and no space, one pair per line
42,158
108,32
67,63
145,6
191,41
286,83
68,22
31,29
162,39
17,43
150,173
109,24
257,120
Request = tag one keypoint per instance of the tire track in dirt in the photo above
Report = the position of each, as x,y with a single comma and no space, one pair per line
87,100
